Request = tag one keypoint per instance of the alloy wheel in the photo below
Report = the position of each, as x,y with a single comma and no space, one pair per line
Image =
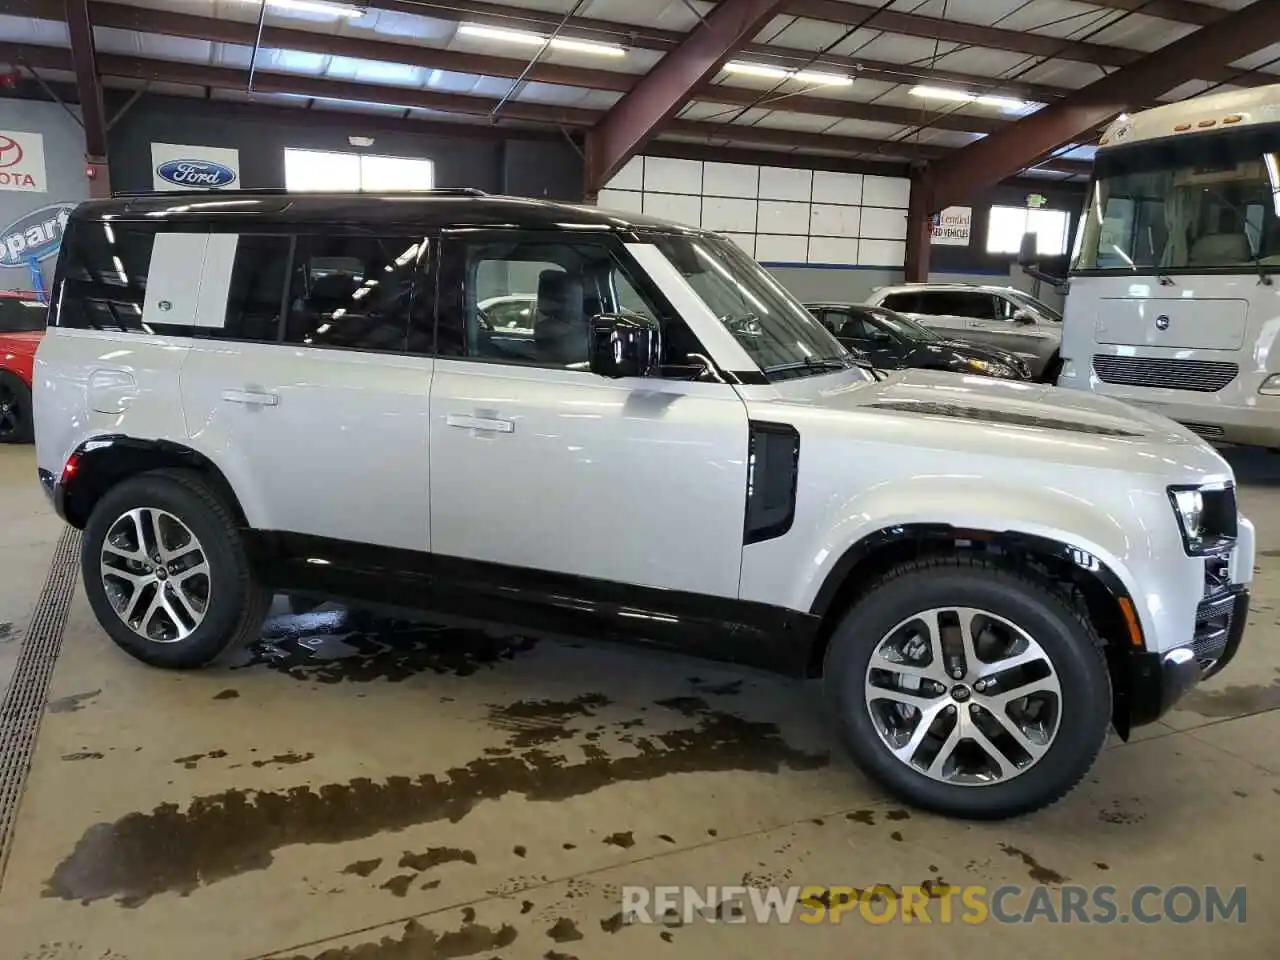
963,696
10,411
156,574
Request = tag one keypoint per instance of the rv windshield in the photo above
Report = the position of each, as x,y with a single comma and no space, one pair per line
1203,203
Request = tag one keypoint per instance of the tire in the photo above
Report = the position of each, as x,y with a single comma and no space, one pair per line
16,424
235,606
1052,370
1009,602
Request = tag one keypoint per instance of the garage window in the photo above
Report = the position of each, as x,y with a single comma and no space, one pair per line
1008,224
325,170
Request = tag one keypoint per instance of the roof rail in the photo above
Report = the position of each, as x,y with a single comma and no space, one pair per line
282,192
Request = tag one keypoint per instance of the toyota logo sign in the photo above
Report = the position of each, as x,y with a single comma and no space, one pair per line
10,152
1162,322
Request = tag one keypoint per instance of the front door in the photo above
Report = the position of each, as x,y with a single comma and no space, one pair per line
539,465
308,387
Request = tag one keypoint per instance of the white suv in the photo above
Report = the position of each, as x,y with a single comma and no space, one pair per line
300,394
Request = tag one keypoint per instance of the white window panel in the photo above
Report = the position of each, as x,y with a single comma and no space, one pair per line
396,173
675,207
1006,226
837,187
886,191
771,248
321,170
781,216
882,253
839,250
831,220
747,241
881,224
624,201
728,215
630,177
666,175
782,183
730,180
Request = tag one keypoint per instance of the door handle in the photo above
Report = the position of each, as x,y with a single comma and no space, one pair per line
252,398
495,424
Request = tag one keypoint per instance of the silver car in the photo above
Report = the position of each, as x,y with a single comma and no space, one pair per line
996,316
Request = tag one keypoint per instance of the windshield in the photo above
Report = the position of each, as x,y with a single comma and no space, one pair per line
779,334
1026,300
903,326
1199,204
18,315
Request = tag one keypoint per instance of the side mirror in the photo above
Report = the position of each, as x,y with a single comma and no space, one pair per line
625,345
1028,251
1023,317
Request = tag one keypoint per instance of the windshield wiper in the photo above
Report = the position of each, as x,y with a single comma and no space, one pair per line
827,363
1264,278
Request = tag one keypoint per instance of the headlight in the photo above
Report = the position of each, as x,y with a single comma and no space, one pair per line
989,368
1271,385
1206,516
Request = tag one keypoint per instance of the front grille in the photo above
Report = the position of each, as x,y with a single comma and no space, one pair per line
1202,376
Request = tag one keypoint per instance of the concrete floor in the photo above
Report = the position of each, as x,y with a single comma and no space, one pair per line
357,791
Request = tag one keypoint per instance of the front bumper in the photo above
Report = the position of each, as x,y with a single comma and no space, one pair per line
1154,682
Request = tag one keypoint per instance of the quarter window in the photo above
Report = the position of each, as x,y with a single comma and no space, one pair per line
357,293
104,272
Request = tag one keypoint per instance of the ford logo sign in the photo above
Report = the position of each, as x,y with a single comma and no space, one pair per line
35,236
1162,322
196,173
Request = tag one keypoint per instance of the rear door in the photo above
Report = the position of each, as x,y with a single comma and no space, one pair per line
308,382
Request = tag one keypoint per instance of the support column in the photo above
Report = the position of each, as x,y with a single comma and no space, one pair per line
919,228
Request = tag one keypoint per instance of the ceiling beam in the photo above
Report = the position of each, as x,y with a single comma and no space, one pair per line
92,114
1022,143
115,68
1002,38
149,20
655,38
1179,11
642,112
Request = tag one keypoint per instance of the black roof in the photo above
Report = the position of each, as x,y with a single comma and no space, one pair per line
418,210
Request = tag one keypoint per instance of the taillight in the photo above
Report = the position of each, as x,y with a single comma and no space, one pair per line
69,468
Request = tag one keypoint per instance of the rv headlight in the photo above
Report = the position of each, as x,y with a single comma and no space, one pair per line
1271,385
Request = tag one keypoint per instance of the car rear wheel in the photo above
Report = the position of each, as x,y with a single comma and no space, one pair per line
166,573
15,410
968,689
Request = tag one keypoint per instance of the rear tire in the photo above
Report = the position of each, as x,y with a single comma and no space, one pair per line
16,424
199,599
1053,726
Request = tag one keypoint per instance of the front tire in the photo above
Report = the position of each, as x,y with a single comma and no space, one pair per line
166,572
16,425
968,689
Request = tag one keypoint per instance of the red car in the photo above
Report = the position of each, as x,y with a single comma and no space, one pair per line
22,325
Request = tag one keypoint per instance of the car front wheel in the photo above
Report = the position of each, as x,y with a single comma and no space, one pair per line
969,689
166,572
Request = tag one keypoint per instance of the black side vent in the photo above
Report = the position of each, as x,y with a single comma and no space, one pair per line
773,467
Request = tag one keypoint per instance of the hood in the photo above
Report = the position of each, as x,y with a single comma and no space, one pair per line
1015,403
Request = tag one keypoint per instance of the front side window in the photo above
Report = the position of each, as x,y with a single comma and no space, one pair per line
357,293
20,315
904,327
777,332
528,300
1199,203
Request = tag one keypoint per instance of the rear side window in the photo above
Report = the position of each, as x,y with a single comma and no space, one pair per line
359,293
104,268
903,302
256,293
957,303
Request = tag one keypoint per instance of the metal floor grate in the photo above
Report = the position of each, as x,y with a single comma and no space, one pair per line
24,702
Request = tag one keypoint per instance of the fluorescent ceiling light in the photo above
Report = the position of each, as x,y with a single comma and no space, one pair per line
780,73
529,39
327,7
1009,104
